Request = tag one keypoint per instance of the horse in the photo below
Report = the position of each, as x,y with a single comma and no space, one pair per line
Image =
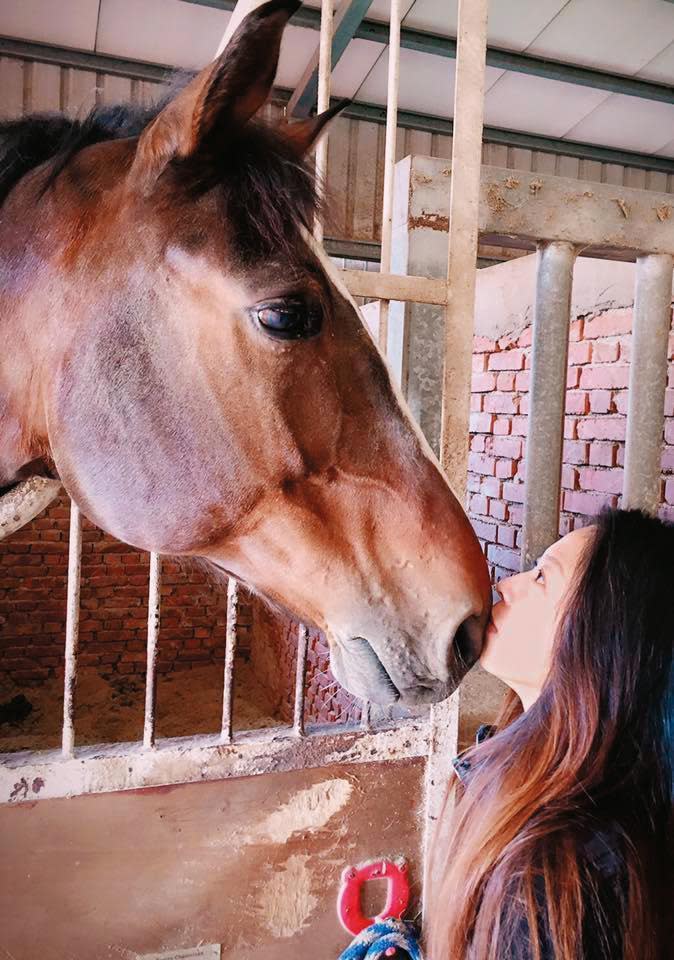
183,357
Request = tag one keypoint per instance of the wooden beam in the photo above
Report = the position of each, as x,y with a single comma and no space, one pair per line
348,18
393,286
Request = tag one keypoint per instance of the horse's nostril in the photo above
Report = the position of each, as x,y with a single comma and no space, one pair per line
467,644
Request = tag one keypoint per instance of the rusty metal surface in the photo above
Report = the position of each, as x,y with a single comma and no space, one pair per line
153,620
72,629
648,379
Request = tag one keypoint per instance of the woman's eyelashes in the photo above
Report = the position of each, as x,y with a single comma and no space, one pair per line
539,575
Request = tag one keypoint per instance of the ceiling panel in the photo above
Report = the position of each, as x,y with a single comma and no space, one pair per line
667,150
161,31
661,68
356,62
426,83
628,123
297,48
620,35
379,10
74,25
512,24
537,105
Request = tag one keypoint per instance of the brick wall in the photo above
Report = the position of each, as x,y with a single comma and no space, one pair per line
596,407
113,619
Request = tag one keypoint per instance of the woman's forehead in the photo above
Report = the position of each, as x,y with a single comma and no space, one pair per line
567,551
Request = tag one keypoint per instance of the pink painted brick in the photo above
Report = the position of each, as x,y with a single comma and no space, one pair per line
483,345
620,455
506,380
475,402
519,426
625,350
669,403
566,524
481,463
491,487
524,404
601,481
573,377
577,402
668,459
505,469
501,403
484,530
570,428
478,443
483,382
580,352
506,447
576,330
516,514
621,401
670,350
600,401
503,557
479,505
526,337
479,362
474,483
498,509
481,422
502,426
587,504
669,432
605,352
602,454
513,492
669,490
506,536
611,323
602,428
666,513
612,377
507,360
569,477
575,451
523,381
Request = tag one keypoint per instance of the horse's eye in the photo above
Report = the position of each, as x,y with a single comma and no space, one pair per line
290,318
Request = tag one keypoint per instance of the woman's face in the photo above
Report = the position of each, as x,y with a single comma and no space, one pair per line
520,636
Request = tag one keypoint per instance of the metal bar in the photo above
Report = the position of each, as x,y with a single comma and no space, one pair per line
324,75
648,379
440,46
550,351
22,503
230,652
458,352
109,767
393,286
389,161
300,675
353,249
347,19
366,715
373,113
153,619
72,629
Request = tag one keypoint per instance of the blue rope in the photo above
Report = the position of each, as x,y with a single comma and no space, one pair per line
373,942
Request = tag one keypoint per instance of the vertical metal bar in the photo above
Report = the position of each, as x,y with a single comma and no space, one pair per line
72,629
230,651
648,379
153,618
323,100
365,715
389,160
459,322
300,675
545,438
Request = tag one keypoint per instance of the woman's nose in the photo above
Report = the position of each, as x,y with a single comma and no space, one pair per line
504,587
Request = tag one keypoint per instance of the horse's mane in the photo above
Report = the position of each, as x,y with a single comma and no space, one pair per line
267,191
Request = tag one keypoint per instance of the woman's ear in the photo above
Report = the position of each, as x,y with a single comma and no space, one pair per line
224,95
303,134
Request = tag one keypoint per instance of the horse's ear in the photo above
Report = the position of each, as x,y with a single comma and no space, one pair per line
303,134
224,95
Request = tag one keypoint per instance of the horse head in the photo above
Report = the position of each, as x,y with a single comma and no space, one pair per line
187,361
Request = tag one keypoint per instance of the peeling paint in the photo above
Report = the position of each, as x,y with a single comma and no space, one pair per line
535,186
624,209
432,221
510,183
285,902
305,812
663,212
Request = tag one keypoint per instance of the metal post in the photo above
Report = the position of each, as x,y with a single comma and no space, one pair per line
462,264
300,674
72,629
230,651
324,77
389,160
648,379
550,353
153,618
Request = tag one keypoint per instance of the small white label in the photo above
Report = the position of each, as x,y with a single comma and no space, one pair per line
207,951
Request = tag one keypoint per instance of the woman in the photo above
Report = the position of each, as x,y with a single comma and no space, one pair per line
560,843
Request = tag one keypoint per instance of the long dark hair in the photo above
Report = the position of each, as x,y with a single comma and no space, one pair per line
592,754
